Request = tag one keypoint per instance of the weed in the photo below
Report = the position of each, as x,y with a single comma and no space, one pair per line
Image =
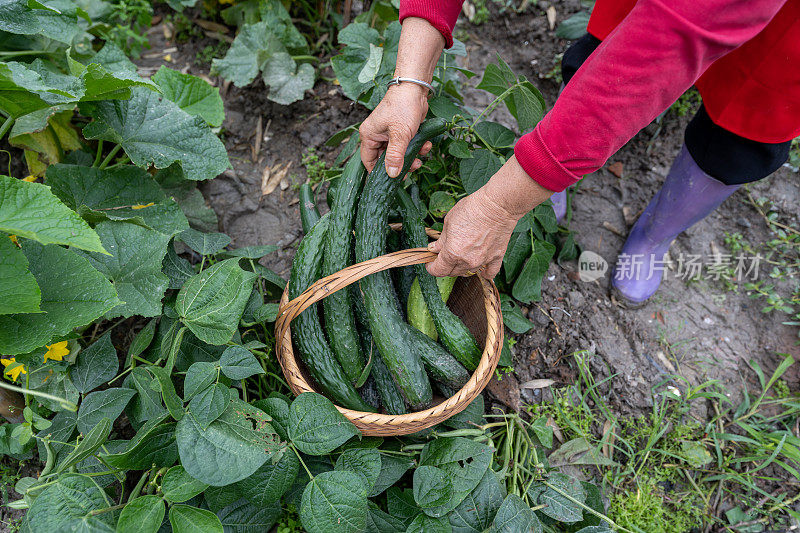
128,20
315,166
209,52
688,103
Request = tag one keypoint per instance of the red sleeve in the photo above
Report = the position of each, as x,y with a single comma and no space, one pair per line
441,14
643,66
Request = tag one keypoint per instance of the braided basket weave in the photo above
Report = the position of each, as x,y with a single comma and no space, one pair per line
474,299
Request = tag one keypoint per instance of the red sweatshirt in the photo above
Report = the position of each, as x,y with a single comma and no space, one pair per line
655,54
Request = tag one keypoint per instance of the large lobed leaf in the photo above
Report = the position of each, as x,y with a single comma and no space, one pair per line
192,94
155,131
19,292
73,294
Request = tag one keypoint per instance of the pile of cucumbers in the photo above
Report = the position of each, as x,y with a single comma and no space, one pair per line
359,348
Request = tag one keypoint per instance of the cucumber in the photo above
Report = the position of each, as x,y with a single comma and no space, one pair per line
307,330
338,307
452,332
440,365
418,314
370,393
309,215
391,333
391,399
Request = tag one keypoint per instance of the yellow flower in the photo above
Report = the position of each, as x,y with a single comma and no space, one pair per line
142,206
56,351
226,1
30,178
14,372
14,239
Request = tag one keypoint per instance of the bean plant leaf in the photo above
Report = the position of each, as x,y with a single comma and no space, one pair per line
155,131
30,210
495,135
528,286
277,409
97,405
392,469
523,100
211,303
513,318
270,481
477,511
449,454
178,486
518,250
514,516
188,519
142,515
154,444
167,389
316,427
573,27
204,243
95,364
364,461
242,516
440,203
73,294
233,447
379,521
469,418
176,268
556,497
199,377
239,363
124,193
192,94
426,524
477,170
19,292
334,501
134,267
432,489
146,405
401,505
88,445
66,506
208,404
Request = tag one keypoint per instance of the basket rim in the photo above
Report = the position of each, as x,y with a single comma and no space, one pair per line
375,424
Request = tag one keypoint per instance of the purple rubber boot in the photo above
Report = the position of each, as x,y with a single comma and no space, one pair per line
687,196
559,200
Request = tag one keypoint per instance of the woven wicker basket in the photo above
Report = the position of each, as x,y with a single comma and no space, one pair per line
474,299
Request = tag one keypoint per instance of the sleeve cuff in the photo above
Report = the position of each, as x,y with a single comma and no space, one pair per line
428,11
540,164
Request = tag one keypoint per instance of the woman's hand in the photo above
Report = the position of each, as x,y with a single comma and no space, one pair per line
477,229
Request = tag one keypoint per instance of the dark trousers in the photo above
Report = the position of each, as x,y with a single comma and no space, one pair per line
728,157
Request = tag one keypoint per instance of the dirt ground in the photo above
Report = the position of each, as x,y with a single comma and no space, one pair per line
697,330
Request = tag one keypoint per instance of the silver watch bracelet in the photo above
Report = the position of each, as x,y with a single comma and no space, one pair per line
399,79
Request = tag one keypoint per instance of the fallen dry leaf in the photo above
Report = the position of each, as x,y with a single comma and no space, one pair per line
272,177
211,26
551,17
616,168
537,384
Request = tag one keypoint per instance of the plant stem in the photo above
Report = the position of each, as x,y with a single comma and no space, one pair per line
63,401
138,488
585,507
12,53
6,126
297,453
99,153
110,156
107,509
305,58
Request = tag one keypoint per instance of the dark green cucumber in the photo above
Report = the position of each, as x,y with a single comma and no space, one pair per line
307,330
391,333
391,399
338,307
309,215
369,391
440,365
452,332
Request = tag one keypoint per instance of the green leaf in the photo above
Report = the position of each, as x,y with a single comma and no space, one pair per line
443,107
469,418
477,170
178,486
495,135
574,27
392,469
477,511
142,515
155,131
238,363
200,376
542,432
19,292
134,267
373,64
364,461
528,287
192,94
401,505
18,16
207,405
426,524
381,522
695,453
545,216
204,243
270,481
513,318
334,501
95,364
316,427
146,404
177,269
558,506
287,81
233,447
86,447
449,454
515,516
30,210
277,409
168,394
523,100
250,252
432,490
440,203
211,303
142,340
188,519
459,149
124,193
65,506
154,443
98,405
242,516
